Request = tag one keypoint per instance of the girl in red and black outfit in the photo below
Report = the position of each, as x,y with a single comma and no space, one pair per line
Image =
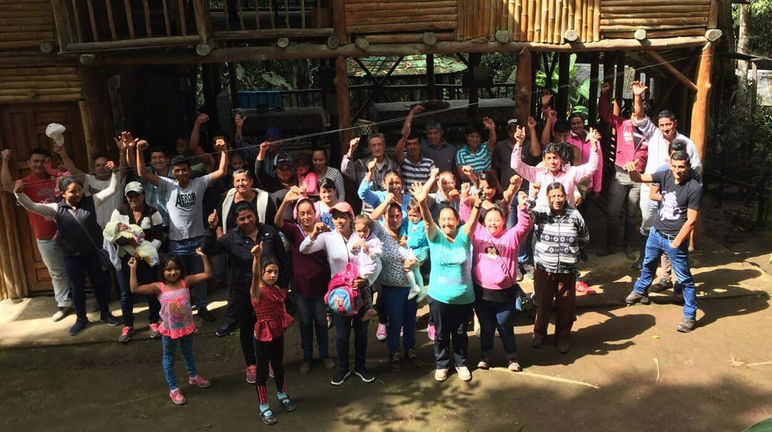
271,321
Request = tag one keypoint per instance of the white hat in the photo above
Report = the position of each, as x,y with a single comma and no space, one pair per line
135,187
55,131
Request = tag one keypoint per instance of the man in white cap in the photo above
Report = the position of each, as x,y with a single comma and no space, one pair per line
40,187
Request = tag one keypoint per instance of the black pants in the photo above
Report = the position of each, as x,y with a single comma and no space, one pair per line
241,305
343,326
450,321
269,354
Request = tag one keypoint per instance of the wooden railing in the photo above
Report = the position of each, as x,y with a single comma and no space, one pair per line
245,19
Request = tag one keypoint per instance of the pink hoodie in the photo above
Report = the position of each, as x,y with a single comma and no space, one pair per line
626,149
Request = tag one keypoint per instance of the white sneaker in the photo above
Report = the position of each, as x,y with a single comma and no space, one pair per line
441,375
463,373
380,334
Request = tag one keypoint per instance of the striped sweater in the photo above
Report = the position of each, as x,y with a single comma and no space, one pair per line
558,239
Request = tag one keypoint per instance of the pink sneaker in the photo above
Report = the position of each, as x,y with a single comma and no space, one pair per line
380,334
430,331
154,333
251,374
200,381
177,397
582,287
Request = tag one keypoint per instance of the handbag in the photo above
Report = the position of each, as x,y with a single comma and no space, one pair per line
102,255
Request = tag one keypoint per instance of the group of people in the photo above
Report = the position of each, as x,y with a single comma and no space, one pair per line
475,219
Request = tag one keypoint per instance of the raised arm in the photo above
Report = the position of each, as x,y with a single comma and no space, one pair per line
347,163
468,227
111,188
264,180
5,171
310,243
528,172
61,150
638,90
604,107
534,145
195,138
420,195
46,210
254,290
203,276
378,212
222,169
142,170
492,138
585,171
147,289
291,196
514,187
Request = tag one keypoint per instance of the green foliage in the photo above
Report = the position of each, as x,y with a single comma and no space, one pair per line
578,93
743,136
760,32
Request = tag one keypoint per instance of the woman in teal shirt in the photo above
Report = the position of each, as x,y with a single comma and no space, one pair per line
450,283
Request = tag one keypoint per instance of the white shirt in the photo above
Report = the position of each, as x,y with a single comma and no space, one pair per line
658,147
334,244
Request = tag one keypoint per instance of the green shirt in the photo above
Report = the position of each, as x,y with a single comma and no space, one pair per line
450,280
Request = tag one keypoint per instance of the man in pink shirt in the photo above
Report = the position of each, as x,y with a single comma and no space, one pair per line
554,169
631,145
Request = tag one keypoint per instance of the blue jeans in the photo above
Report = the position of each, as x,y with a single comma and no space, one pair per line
313,315
656,245
522,252
145,275
343,325
495,316
186,250
76,267
169,348
402,313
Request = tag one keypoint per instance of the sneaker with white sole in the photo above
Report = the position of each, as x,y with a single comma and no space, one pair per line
177,397
380,334
154,332
200,381
339,377
441,374
463,373
251,374
125,335
513,365
364,375
485,363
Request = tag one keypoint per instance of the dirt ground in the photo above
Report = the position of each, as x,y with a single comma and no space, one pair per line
628,369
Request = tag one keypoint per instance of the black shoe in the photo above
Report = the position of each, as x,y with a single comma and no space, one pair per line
225,329
340,376
537,341
78,327
110,320
520,272
205,315
629,254
563,347
268,418
411,357
365,375
287,405
394,362
661,285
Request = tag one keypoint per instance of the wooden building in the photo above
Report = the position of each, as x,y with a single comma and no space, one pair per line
95,65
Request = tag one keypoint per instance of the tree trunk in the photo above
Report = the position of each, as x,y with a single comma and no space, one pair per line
742,44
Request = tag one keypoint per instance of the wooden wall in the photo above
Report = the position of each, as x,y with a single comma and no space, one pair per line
39,84
660,18
24,24
409,16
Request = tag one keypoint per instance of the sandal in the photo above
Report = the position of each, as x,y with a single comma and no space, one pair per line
268,418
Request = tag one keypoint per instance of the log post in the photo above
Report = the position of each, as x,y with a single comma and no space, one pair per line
523,87
203,20
61,23
564,60
339,20
592,110
344,108
430,87
474,91
619,85
13,282
698,132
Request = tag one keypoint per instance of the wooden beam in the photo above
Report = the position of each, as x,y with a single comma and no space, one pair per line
339,20
699,124
673,70
592,110
523,86
321,50
563,74
342,98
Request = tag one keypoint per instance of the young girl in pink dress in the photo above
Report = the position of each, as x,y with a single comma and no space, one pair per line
272,320
176,317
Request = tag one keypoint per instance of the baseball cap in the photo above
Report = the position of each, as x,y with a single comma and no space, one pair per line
283,158
134,186
273,132
511,123
343,207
